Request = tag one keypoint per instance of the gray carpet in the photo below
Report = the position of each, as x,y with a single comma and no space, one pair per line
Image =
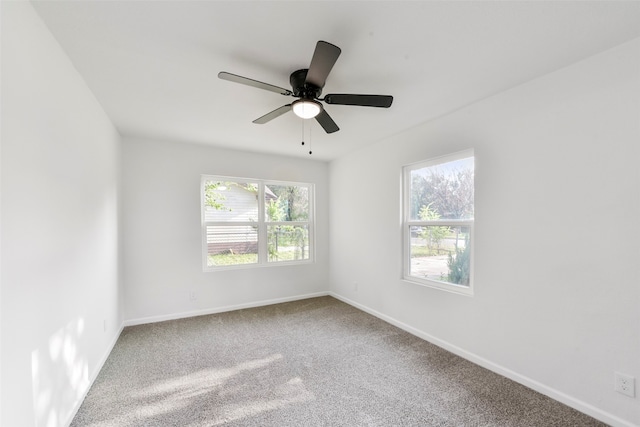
315,362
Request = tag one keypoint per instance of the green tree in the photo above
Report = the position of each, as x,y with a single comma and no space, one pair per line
421,194
291,204
212,197
293,200
275,210
433,235
450,194
459,265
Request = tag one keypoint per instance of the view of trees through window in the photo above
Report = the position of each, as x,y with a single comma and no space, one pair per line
439,221
234,227
287,215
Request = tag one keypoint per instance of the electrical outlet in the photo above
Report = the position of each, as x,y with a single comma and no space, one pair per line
355,286
625,384
193,296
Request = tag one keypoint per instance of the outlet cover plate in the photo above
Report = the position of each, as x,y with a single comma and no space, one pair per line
625,384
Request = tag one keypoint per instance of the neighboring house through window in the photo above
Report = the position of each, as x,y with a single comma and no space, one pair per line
251,222
438,222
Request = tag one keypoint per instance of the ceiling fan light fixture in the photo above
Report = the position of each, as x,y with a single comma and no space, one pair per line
306,108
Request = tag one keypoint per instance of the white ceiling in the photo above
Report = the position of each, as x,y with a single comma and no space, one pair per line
153,65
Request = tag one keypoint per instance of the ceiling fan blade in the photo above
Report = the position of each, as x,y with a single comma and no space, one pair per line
254,83
383,101
272,115
327,122
324,57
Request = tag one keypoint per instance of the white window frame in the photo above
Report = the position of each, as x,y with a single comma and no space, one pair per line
262,224
407,223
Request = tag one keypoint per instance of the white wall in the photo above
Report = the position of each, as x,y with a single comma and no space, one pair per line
162,241
59,227
557,272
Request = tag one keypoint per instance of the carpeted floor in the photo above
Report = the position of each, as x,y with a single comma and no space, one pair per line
315,362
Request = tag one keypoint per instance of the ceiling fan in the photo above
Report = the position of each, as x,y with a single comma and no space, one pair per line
307,86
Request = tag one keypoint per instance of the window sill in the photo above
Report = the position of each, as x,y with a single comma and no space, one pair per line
442,286
256,265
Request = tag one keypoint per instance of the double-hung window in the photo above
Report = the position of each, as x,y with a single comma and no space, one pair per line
438,222
252,222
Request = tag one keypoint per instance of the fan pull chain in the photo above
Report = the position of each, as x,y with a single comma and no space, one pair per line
310,127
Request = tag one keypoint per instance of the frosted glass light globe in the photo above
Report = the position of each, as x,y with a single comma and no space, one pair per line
306,108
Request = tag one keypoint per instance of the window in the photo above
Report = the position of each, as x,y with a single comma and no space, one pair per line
438,222
250,222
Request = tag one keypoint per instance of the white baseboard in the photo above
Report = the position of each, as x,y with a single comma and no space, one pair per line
182,315
94,375
505,372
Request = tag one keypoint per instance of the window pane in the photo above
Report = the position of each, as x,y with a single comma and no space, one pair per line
443,191
440,253
286,203
288,243
232,245
231,201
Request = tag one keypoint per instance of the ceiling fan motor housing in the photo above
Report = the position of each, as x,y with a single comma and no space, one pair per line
302,89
